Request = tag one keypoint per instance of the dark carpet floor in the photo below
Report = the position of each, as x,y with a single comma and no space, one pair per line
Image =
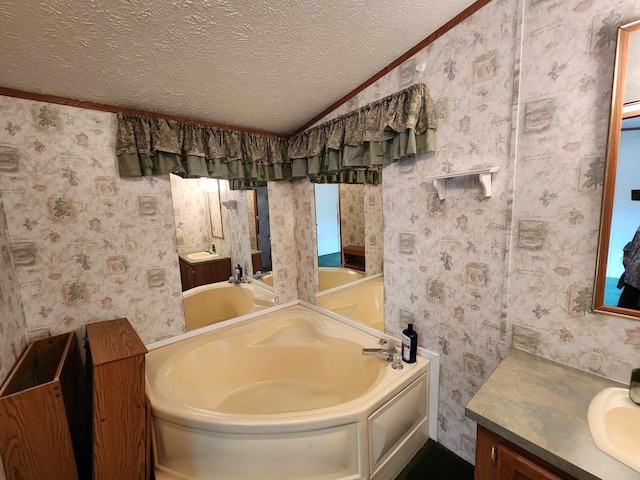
434,462
329,260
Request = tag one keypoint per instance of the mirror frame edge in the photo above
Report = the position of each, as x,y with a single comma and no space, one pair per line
611,164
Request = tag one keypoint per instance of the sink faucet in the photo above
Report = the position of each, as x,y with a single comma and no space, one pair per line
237,276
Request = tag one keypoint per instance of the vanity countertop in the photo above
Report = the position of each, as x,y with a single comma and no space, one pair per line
193,261
541,406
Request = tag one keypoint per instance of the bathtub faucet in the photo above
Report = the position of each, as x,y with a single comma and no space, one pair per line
386,353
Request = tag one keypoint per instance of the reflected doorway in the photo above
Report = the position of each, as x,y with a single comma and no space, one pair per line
328,225
262,227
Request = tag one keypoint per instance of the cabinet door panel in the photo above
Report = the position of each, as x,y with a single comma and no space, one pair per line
486,445
513,466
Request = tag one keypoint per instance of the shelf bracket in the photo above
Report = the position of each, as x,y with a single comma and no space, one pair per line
484,175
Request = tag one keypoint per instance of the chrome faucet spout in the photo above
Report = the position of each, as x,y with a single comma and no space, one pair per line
386,353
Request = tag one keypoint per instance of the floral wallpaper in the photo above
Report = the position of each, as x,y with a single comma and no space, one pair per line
284,251
13,330
352,214
305,228
373,229
479,275
251,218
565,88
87,245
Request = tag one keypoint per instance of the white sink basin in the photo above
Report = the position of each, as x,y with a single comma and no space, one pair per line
614,421
202,256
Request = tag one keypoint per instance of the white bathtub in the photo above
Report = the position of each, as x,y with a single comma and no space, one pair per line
285,395
220,301
362,302
328,277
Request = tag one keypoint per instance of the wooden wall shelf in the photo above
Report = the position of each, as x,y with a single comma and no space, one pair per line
484,175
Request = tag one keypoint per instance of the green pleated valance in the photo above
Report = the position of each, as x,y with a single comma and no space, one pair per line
349,149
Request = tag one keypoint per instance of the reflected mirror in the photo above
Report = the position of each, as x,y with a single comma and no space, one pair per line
617,285
211,189
349,248
217,230
259,229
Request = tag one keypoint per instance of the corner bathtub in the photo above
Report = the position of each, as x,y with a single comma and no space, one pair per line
328,277
284,395
362,302
220,301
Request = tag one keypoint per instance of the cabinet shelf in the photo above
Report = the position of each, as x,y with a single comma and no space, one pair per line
484,174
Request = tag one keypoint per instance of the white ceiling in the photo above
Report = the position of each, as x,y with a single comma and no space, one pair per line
269,65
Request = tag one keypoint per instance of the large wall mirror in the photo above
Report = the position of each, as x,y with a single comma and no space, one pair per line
349,249
617,285
348,232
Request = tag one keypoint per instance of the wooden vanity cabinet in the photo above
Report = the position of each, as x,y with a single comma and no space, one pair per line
498,459
203,273
115,370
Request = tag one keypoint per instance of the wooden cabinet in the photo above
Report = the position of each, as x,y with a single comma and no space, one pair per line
203,273
41,412
354,257
498,459
115,367
256,262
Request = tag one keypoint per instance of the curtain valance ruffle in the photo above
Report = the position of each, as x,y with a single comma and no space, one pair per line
349,149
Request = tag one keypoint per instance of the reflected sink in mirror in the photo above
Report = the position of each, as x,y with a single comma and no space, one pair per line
202,256
614,421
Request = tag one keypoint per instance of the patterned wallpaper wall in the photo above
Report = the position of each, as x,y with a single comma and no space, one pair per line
13,330
447,263
306,239
87,245
373,229
565,90
352,214
284,250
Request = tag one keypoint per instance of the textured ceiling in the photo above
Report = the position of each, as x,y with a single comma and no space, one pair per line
269,65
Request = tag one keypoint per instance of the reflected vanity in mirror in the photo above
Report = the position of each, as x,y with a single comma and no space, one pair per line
213,233
617,284
349,249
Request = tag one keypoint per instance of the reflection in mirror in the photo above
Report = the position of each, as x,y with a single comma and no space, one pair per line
349,242
617,285
259,229
211,187
213,237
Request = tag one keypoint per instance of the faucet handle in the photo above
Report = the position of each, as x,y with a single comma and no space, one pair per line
391,343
